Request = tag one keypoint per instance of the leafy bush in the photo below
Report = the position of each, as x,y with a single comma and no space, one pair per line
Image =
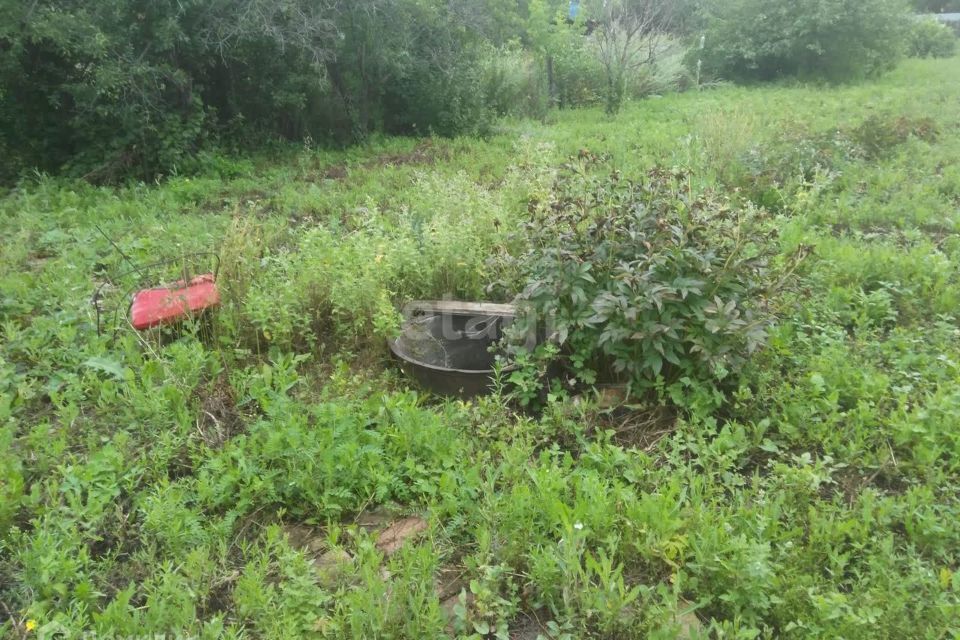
765,173
931,39
666,74
408,67
121,89
578,75
833,40
512,83
645,282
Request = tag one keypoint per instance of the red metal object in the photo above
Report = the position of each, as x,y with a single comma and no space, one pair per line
154,307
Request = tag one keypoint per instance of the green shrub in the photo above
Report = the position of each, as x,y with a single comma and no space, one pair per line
517,84
644,282
668,73
578,75
931,39
877,135
513,84
833,40
121,89
409,89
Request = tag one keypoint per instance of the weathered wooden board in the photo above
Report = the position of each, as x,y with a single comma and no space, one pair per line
459,308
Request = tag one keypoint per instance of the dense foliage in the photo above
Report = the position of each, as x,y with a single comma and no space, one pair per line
124,88
932,39
835,40
643,282
130,88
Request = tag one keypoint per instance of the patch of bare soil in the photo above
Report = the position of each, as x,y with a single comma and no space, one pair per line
640,428
391,534
218,420
529,626
396,535
690,625
335,172
425,153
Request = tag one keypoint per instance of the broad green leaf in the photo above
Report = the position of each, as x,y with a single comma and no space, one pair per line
106,365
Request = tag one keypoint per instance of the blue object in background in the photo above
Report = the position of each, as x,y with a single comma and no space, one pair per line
574,9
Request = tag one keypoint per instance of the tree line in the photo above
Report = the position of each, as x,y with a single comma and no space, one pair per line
114,89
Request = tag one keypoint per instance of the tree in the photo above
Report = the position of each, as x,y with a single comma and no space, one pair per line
932,39
833,40
133,88
629,35
120,88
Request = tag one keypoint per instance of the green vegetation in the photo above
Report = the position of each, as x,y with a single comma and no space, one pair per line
836,40
127,89
644,282
931,39
239,480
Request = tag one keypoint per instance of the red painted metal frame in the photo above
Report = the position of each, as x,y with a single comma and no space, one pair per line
160,306
163,305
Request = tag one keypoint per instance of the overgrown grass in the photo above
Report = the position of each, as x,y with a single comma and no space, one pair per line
150,490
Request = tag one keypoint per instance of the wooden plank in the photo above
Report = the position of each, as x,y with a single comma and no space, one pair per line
460,308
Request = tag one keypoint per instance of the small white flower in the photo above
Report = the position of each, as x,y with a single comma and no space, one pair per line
578,526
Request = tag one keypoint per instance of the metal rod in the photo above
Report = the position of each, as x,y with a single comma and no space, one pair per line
119,250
